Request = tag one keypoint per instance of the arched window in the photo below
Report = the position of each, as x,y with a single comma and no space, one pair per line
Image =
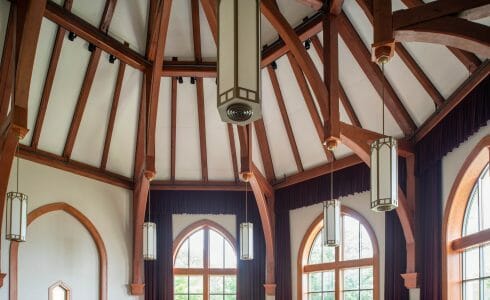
205,263
346,272
466,230
59,291
476,257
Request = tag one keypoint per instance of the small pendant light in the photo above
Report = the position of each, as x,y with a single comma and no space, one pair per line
246,233
149,236
384,169
331,218
16,212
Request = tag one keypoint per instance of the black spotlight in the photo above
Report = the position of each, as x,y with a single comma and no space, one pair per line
91,47
307,44
193,80
274,65
72,36
181,80
112,58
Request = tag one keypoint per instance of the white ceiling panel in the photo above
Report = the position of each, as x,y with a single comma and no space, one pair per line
39,71
220,165
64,95
91,13
162,159
123,142
208,45
256,156
4,16
294,11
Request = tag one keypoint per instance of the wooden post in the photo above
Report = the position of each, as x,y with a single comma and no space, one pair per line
383,46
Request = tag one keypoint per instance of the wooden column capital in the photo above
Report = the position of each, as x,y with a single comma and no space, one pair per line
270,289
137,288
411,280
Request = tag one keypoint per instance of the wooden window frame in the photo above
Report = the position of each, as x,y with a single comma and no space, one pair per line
453,243
206,272
303,268
63,286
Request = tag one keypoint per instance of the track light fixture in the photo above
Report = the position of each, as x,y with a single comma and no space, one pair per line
112,58
274,65
181,80
308,44
71,36
91,47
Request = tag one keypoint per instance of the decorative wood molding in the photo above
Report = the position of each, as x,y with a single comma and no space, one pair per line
452,224
63,286
411,280
89,226
307,242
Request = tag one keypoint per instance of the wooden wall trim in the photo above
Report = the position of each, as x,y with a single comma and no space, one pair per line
454,215
89,226
309,238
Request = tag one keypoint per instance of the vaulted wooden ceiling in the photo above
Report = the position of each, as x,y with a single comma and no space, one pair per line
86,115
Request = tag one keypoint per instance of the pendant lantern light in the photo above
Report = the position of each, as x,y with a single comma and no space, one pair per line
239,61
149,236
246,233
16,212
384,169
331,219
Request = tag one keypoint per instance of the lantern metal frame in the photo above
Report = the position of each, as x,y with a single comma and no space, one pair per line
238,97
332,209
149,241
246,241
18,235
389,201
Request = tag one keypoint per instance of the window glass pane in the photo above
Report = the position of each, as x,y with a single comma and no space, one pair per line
366,246
196,249
196,297
180,297
216,250
486,261
471,290
366,275
182,259
230,256
366,295
315,296
351,279
351,238
485,198
230,297
315,282
216,284
351,295
316,250
329,296
471,215
471,261
486,289
328,281
181,285
230,284
216,297
195,285
58,293
328,254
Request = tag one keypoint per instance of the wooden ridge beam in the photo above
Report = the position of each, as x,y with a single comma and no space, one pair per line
93,35
265,151
167,185
74,167
112,115
173,127
456,97
366,6
310,103
285,118
373,72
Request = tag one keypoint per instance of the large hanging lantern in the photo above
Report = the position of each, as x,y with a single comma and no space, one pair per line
239,61
246,241
331,223
149,241
384,174
149,236
16,217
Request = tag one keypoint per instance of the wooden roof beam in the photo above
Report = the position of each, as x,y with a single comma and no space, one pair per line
374,74
173,128
231,140
265,151
7,65
112,115
285,118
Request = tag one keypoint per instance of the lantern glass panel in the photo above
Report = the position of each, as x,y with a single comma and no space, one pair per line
331,223
16,218
384,174
246,241
149,241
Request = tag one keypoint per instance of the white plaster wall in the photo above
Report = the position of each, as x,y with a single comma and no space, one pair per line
454,160
108,208
180,222
302,218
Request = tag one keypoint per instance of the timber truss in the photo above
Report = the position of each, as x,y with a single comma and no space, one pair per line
446,22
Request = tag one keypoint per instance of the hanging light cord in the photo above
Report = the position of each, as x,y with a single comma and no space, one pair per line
383,95
18,167
331,181
149,206
246,202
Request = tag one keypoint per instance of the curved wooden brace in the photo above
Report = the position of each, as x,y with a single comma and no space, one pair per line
358,140
92,230
450,31
454,216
